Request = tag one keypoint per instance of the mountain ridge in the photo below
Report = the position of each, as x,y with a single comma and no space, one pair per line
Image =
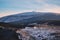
30,16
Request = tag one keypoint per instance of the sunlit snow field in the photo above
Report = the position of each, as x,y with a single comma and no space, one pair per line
38,33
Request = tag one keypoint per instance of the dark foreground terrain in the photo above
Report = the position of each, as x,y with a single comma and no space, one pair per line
36,32
6,34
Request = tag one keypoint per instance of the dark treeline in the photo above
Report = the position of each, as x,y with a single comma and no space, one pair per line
12,25
50,22
23,25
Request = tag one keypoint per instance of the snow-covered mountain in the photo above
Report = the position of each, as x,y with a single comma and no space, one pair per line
18,17
29,17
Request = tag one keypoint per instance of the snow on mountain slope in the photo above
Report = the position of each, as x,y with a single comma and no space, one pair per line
30,17
19,17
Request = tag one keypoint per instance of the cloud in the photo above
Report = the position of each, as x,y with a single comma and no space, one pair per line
50,8
18,6
53,8
40,0
45,8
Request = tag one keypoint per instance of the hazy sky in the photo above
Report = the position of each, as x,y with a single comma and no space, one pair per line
8,7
